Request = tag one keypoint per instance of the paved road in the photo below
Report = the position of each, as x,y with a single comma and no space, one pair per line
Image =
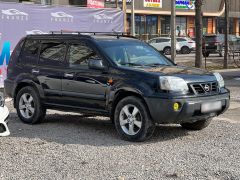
71,146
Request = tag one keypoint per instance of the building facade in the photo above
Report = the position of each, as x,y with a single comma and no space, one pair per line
153,19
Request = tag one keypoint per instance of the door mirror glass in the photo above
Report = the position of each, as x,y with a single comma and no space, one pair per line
96,64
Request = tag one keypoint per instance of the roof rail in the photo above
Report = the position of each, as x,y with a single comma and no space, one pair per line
118,34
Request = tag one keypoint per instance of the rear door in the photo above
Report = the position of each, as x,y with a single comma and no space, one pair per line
51,68
84,87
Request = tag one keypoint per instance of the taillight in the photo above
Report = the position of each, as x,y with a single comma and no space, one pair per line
216,43
191,42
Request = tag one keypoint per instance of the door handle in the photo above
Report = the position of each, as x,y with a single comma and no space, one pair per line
35,71
67,75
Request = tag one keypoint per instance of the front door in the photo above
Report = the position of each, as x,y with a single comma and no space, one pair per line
83,87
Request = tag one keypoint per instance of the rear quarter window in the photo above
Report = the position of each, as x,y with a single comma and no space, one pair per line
29,54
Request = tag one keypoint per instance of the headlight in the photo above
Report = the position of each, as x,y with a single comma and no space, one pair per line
2,100
171,83
219,79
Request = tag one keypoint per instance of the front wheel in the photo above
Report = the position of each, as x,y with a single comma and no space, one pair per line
199,125
132,120
29,107
167,51
185,50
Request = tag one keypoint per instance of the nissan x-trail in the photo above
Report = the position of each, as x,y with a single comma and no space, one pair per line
111,75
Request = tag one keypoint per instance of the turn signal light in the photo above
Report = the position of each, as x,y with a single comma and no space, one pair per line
176,106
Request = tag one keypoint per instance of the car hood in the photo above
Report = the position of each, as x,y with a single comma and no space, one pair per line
187,73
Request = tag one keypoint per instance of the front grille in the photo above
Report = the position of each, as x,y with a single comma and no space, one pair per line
204,88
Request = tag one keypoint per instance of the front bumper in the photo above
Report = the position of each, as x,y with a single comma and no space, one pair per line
162,112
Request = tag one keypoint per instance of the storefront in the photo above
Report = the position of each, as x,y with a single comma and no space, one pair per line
154,19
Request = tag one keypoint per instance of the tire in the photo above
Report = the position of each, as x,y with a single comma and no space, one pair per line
26,99
2,128
199,125
185,50
142,127
167,51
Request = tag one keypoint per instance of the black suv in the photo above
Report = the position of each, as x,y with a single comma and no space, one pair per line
215,44
111,75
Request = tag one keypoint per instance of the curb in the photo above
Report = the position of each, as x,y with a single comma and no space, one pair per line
227,70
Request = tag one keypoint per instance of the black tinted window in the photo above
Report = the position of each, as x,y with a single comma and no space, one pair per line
181,40
30,52
31,47
152,41
162,40
52,53
79,55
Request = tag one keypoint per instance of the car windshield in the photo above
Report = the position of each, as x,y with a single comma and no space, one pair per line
133,53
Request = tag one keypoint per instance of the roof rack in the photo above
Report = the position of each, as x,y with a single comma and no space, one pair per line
118,34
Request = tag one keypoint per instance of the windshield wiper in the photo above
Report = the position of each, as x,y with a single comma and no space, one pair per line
156,64
131,64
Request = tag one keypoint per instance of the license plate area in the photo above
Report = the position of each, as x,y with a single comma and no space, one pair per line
211,106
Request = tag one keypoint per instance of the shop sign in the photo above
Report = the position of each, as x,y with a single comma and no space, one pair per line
185,4
152,3
95,3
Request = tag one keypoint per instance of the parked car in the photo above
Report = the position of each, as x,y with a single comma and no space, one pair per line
111,75
163,44
4,113
186,44
215,44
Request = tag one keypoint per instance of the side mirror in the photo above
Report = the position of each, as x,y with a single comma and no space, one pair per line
96,64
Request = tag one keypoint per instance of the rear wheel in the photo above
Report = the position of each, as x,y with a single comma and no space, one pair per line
167,50
132,120
199,125
29,107
185,50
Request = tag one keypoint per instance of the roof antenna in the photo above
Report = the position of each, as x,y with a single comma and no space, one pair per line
115,32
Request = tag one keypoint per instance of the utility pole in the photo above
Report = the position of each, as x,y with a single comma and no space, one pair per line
226,48
199,33
173,30
133,19
124,9
116,3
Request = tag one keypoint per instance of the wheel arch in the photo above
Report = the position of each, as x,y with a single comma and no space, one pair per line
23,84
123,93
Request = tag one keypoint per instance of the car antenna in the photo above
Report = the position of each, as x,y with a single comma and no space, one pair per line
115,32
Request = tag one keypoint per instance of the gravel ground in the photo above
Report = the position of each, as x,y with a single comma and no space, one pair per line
71,146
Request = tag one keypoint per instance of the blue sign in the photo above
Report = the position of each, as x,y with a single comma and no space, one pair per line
185,4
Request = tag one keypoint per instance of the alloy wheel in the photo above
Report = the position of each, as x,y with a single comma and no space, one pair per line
130,119
26,106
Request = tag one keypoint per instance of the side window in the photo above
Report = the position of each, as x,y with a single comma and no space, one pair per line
79,55
52,53
180,40
159,40
30,52
153,41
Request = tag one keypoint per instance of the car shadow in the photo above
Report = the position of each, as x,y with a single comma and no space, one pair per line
84,130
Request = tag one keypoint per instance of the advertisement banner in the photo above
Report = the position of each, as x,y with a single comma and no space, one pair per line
95,3
152,3
18,20
185,4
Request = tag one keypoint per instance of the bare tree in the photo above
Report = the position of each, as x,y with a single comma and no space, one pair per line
198,24
226,46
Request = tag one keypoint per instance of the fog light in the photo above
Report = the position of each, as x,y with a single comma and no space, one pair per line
176,106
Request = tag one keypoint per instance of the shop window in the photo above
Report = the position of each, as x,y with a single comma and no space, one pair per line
165,25
181,26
